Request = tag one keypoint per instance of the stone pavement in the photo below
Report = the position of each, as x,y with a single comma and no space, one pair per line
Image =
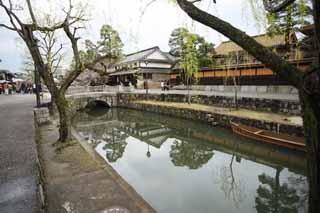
18,168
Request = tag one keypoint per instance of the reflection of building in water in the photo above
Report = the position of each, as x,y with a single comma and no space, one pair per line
111,144
156,129
154,134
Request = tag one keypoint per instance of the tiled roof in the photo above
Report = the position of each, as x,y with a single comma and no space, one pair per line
171,57
140,55
229,46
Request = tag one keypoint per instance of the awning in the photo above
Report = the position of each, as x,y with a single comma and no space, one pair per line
127,72
155,70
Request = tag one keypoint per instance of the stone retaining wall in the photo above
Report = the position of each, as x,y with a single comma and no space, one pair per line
268,105
214,119
272,89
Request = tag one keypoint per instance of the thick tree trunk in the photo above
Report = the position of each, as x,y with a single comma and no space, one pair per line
64,117
311,122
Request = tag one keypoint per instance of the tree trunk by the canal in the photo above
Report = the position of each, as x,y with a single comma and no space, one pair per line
64,117
311,123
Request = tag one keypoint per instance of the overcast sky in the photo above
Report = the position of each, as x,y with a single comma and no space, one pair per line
136,32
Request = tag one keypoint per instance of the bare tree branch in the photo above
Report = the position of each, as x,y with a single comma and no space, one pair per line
57,52
55,68
33,18
195,1
7,27
12,16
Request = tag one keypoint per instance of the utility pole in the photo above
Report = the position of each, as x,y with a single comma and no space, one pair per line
37,84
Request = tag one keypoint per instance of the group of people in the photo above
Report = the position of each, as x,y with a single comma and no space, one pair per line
12,88
6,88
165,85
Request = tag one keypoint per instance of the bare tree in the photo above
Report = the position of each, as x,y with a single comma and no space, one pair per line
233,189
308,83
29,32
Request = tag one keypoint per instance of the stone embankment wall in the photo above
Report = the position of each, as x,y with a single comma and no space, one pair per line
272,89
267,105
214,119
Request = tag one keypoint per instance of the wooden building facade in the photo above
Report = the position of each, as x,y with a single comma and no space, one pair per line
232,61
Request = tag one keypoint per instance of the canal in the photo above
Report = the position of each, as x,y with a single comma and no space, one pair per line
179,165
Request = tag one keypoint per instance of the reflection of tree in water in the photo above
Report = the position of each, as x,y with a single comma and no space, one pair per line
275,197
300,183
232,188
192,155
115,146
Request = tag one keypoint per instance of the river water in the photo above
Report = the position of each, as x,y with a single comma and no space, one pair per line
185,166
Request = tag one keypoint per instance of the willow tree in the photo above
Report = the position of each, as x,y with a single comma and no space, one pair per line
307,82
27,27
188,61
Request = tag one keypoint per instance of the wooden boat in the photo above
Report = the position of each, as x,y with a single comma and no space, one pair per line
266,136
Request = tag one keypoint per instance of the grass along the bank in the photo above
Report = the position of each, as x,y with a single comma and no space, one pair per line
243,113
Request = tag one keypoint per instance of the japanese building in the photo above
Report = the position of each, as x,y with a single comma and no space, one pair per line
231,60
152,65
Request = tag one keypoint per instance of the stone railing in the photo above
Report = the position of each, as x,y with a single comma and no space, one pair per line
87,89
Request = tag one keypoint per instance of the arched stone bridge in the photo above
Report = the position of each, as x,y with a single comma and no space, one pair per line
81,97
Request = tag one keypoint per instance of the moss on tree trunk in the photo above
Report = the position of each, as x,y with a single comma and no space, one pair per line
311,123
64,117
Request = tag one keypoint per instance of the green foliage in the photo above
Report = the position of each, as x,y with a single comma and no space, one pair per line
290,19
188,55
176,42
275,197
110,43
191,155
178,45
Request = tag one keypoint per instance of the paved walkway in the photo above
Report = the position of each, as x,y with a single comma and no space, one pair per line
18,169
78,180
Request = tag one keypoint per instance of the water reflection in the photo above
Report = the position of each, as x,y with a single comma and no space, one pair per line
116,145
233,188
192,155
183,166
273,196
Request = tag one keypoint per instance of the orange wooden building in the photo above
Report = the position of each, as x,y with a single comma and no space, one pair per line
231,60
